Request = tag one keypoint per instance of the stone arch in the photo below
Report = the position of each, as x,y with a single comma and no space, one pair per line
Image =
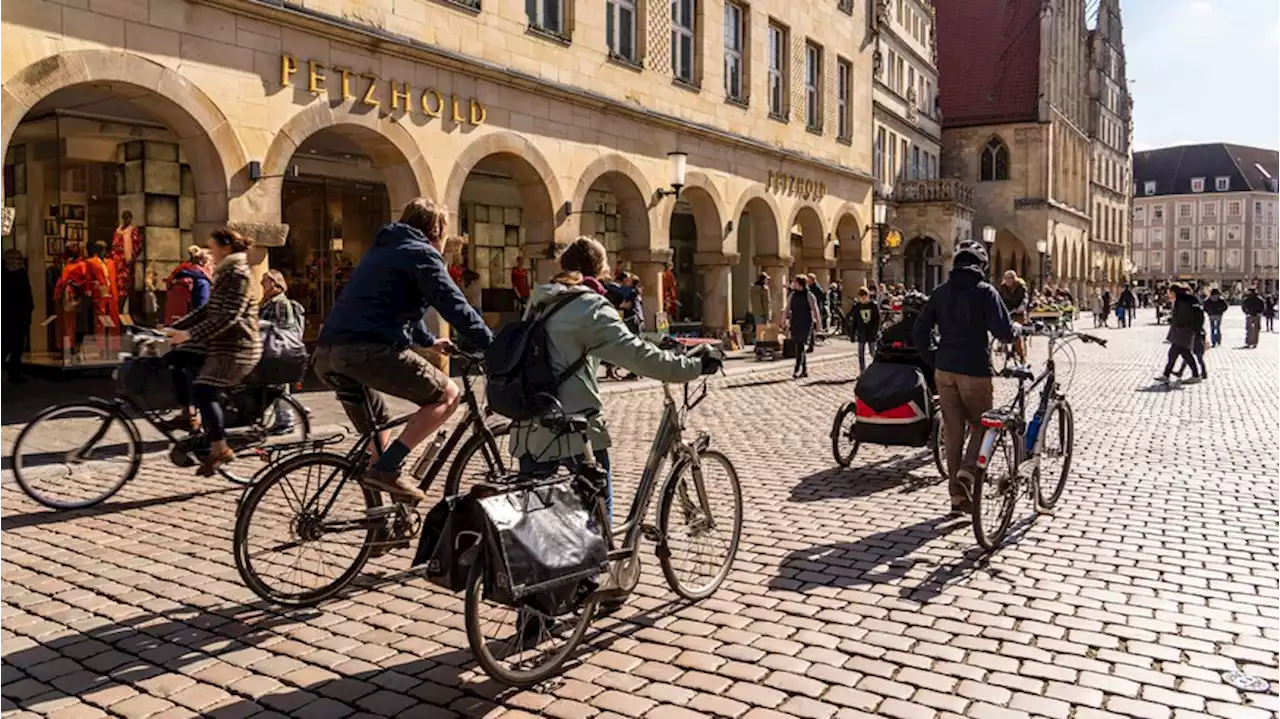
390,146
922,262
848,232
539,190
765,215
629,185
707,206
813,232
208,140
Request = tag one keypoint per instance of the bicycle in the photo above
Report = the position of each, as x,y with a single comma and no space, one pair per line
1008,437
64,458
375,526
685,506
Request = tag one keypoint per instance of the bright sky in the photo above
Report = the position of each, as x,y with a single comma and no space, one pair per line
1203,71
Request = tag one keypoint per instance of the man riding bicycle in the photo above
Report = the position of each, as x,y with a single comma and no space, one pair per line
1013,292
366,342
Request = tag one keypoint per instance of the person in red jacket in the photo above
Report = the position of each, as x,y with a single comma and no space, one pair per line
520,283
187,287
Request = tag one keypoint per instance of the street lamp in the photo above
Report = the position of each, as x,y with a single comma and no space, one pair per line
1042,248
677,165
880,213
989,238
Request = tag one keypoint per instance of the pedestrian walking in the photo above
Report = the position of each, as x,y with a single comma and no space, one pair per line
864,325
1253,307
1269,312
18,306
1215,307
819,294
1186,317
1129,304
1106,308
802,318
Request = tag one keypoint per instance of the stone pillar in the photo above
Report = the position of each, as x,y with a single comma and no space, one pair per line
776,268
717,285
648,265
853,274
265,236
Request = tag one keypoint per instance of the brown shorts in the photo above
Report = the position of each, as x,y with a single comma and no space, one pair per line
354,371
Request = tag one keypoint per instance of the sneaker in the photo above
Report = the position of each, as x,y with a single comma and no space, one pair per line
393,483
1162,379
1191,380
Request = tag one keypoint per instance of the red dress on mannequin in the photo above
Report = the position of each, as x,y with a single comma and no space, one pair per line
72,287
102,288
126,247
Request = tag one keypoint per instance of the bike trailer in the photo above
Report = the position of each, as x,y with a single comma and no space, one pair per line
893,406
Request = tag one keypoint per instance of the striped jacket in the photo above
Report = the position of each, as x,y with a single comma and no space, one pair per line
226,327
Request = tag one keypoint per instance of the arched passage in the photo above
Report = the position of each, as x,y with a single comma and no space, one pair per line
809,250
93,138
756,226
922,264
1008,253
695,227
610,202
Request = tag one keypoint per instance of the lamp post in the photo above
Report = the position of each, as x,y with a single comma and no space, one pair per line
1042,248
678,166
989,239
880,213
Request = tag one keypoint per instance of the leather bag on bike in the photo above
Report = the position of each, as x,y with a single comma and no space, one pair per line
542,546
451,540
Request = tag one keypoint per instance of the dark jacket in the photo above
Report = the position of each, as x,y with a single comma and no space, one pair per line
864,321
1127,299
1186,321
964,309
1215,306
1014,298
1269,307
386,300
1253,305
17,296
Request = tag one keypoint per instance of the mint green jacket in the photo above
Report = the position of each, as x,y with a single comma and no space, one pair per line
590,325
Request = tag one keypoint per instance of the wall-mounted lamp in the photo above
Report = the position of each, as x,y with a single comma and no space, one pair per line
678,165
255,171
989,235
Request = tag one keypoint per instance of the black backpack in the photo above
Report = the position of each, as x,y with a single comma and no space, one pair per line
521,382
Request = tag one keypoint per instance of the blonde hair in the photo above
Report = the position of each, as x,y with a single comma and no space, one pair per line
195,253
427,217
277,279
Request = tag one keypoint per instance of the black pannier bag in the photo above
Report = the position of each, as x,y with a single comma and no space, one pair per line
543,545
893,406
451,540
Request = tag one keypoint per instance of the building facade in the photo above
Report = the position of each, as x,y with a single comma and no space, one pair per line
1206,214
308,124
927,213
1016,126
1111,161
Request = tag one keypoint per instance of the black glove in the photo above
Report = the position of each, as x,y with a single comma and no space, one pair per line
711,363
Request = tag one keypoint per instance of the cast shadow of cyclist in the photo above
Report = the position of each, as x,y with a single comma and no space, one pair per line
865,479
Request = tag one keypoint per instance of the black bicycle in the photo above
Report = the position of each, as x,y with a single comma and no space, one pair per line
311,505
73,456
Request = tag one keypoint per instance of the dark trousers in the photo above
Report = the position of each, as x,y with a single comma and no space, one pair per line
211,416
183,365
803,338
1188,358
12,344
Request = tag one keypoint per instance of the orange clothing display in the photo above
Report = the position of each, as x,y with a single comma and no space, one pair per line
126,248
670,293
102,288
72,287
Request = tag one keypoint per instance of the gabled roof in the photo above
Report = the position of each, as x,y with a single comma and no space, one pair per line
988,61
1173,168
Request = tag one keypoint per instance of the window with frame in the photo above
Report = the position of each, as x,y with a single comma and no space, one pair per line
844,99
1157,260
915,164
1139,259
1197,184
1209,210
893,72
1157,236
1139,238
902,75
683,40
893,156
902,167
1149,187
1233,233
878,160
1257,208
735,36
911,79
1139,214
1222,184
1209,258
1157,213
995,161
812,86
1209,234
620,29
777,71
546,15
1233,259
1234,208
1184,210
1257,232
1184,259
1184,234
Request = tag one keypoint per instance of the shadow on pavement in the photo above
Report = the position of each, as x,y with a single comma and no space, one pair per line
51,516
862,480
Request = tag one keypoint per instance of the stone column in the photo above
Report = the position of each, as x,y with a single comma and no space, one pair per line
853,274
716,278
648,266
265,236
776,268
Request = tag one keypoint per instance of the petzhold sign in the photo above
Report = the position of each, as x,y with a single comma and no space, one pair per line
784,184
368,89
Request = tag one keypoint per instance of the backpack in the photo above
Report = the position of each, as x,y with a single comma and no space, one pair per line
521,381
177,300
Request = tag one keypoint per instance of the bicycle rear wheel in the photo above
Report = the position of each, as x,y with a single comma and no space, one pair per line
843,445
76,456
300,431
1055,455
938,446
995,492
305,509
710,533
528,647
481,460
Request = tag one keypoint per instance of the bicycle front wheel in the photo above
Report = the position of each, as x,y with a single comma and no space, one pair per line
526,647
1058,430
304,531
995,491
76,456
700,539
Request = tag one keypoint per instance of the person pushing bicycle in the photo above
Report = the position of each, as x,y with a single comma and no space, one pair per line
367,339
1013,292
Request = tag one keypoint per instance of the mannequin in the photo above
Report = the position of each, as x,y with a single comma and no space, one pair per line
103,289
71,290
126,249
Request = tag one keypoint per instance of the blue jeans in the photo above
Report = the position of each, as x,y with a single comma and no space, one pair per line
529,465
1215,330
862,355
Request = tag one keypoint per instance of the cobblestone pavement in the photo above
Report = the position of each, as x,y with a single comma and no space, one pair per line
851,596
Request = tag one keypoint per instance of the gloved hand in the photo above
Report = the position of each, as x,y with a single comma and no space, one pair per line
712,362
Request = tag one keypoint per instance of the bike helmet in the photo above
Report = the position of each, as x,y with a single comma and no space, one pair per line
970,254
914,302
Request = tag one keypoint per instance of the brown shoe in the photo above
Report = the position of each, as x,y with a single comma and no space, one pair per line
209,465
393,483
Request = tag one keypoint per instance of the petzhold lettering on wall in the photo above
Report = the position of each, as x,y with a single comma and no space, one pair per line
784,184
363,87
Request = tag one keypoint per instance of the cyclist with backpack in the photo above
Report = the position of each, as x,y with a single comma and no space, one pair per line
366,344
286,316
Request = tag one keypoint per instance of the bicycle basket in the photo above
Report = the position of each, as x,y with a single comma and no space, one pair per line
146,378
542,546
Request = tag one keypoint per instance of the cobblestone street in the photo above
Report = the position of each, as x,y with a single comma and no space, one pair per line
852,596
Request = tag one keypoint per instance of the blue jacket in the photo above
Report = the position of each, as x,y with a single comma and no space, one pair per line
199,285
964,309
385,301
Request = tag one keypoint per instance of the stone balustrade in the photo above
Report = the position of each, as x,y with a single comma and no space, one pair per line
941,190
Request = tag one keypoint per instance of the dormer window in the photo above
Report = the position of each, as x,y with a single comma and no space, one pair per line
1222,184
1197,184
1149,187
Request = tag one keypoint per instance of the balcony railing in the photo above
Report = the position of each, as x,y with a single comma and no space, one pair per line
942,190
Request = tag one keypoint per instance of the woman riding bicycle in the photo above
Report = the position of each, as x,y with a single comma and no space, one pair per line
227,329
